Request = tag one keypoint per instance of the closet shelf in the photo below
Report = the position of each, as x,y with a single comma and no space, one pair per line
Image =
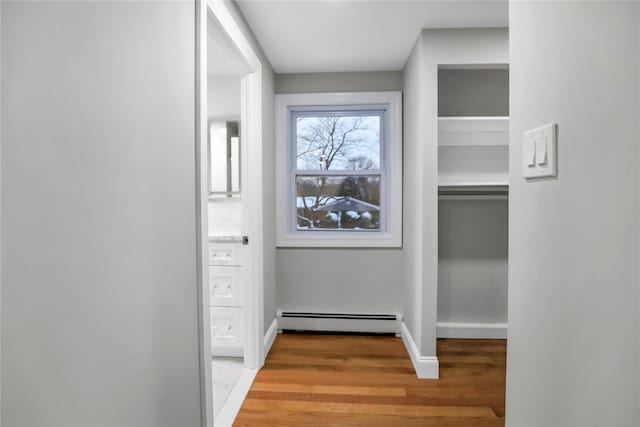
472,184
473,131
473,179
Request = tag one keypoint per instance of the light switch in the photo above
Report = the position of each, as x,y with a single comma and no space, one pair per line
530,153
539,152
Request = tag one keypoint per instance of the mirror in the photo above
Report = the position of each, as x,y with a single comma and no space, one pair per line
224,158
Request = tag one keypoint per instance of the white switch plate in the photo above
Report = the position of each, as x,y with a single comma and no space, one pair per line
539,152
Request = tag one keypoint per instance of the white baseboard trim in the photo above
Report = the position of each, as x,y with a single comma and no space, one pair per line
471,330
270,337
232,405
425,366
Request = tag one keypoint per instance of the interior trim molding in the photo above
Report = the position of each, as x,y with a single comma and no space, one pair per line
269,338
425,366
238,394
471,330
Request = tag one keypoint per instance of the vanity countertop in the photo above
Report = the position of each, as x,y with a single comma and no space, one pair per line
226,238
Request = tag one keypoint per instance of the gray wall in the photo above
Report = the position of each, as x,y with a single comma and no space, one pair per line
338,82
573,241
469,92
341,280
1,127
472,264
360,280
413,134
269,195
99,298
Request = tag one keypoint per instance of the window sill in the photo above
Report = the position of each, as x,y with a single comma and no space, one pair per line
328,239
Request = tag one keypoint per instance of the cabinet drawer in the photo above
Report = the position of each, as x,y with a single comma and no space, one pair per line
227,329
225,254
227,286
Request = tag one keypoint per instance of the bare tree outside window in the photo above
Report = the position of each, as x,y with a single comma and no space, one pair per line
333,142
330,145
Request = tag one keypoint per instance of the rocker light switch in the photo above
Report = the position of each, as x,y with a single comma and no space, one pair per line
539,152
530,153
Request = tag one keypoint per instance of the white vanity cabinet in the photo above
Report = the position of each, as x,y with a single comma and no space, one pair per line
227,288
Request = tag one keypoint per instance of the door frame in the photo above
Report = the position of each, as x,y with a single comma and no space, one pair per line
251,131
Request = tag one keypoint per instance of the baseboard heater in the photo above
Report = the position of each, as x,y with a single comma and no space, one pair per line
300,321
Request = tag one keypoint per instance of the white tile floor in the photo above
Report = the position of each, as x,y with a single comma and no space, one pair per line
226,371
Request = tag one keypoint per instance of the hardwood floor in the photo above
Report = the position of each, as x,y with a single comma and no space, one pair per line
334,380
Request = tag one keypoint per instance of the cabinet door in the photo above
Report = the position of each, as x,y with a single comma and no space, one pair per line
227,286
227,331
226,254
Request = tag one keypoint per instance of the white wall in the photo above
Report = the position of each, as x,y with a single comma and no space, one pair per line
339,280
225,217
573,241
224,98
434,48
99,297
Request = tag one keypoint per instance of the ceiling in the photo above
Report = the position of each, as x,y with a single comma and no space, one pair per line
356,35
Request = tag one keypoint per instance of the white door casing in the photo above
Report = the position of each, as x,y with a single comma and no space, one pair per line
251,131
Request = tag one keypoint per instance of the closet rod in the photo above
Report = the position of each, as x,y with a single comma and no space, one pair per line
473,192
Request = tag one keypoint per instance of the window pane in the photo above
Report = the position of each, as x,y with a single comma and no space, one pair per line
338,202
336,142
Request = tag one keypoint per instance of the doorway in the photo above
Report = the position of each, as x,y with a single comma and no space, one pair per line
230,211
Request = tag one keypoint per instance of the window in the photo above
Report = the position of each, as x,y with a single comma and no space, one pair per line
339,177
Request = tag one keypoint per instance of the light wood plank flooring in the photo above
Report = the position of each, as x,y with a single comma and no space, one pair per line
333,380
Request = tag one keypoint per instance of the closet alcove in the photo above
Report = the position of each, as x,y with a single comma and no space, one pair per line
473,172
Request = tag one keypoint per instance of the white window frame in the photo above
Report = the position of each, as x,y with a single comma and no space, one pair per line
390,233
